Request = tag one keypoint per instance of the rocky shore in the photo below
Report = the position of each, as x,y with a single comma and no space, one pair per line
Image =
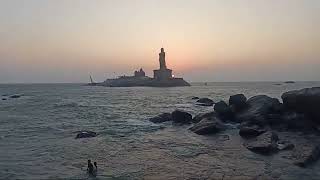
259,120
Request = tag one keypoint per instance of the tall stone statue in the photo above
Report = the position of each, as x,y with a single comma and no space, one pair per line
162,59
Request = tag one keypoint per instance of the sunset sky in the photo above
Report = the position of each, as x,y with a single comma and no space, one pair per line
204,40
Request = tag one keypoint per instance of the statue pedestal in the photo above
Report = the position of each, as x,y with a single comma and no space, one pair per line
162,74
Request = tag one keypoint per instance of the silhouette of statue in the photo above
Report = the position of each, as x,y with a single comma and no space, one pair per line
162,59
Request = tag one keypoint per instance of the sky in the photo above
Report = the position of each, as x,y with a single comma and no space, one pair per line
49,41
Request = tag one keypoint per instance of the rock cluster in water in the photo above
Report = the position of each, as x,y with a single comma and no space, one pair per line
259,118
205,102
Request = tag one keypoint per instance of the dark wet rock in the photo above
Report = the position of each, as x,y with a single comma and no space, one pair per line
275,120
265,144
250,131
285,145
161,118
195,98
304,101
224,137
258,109
179,116
238,102
208,126
15,96
205,102
278,108
201,116
223,110
221,107
86,134
296,121
4,99
306,155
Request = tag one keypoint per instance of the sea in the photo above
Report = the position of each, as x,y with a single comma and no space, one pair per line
38,130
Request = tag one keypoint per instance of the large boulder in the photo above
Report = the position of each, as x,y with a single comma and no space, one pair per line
297,121
306,155
182,117
250,131
238,102
201,116
205,102
208,126
305,101
264,144
161,118
258,109
223,110
86,134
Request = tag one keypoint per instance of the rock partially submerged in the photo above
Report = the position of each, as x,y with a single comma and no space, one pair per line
195,98
86,134
285,145
258,109
306,155
15,96
304,101
161,118
223,110
182,117
289,82
296,121
208,126
201,116
264,144
205,102
250,131
238,102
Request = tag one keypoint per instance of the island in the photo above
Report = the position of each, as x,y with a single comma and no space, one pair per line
162,78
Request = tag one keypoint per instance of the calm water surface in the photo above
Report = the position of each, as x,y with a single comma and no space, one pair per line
37,134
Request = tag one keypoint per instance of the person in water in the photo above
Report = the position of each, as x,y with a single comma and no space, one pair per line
96,167
90,167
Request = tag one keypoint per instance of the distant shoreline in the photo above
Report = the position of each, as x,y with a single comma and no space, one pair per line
192,82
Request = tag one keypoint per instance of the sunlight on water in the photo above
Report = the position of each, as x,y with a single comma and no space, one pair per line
37,134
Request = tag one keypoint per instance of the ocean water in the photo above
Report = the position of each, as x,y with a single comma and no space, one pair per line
37,134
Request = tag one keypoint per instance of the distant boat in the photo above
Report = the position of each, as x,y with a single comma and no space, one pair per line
206,84
289,82
92,83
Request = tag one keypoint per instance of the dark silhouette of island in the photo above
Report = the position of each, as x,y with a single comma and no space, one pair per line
162,78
